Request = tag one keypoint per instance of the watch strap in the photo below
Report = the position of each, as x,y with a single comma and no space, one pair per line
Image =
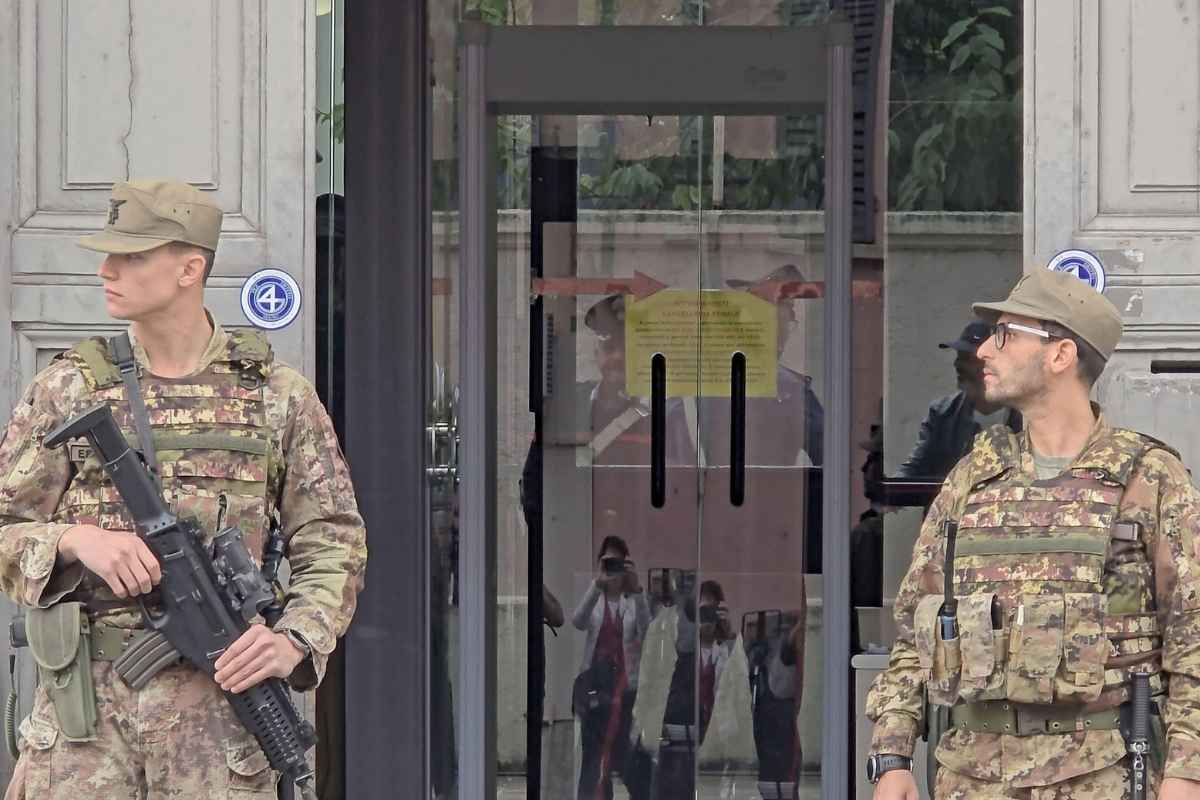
298,640
886,762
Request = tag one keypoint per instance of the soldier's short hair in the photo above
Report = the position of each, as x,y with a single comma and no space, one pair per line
1091,363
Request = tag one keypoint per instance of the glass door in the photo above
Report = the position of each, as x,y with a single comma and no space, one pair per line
661,431
759,649
642,302
610,482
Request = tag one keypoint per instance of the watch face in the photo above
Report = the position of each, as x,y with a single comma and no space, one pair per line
872,769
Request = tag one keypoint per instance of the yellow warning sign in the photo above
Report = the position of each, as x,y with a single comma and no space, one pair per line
698,333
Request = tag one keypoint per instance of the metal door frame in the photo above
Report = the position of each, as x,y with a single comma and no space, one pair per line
638,70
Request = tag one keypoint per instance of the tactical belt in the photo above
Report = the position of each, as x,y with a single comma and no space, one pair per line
137,655
1019,719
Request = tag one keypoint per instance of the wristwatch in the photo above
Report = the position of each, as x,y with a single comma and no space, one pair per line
298,641
886,762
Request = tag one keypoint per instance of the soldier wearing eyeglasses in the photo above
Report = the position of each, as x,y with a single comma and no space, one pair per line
1075,578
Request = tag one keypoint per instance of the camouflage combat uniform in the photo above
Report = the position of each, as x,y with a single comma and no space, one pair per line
243,433
1083,602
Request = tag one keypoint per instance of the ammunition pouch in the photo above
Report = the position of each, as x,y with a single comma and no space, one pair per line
59,638
1053,650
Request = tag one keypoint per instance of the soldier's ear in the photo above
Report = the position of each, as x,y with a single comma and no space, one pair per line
1064,355
192,272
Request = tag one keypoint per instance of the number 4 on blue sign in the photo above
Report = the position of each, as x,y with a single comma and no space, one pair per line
271,299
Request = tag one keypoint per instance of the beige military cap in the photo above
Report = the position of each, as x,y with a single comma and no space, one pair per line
1063,298
143,215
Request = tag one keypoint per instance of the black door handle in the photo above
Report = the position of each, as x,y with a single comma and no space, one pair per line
737,430
658,430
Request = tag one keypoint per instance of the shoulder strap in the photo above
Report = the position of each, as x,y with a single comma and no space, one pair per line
122,350
251,351
91,355
248,345
993,453
1120,452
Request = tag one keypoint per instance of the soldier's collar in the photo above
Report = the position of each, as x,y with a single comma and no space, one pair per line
1099,430
217,345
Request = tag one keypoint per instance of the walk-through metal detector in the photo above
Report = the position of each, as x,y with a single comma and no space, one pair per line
638,70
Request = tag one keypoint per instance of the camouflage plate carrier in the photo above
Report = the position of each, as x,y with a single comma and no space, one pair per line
1073,588
215,450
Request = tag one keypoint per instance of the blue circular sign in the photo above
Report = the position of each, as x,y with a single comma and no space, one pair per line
1082,265
271,299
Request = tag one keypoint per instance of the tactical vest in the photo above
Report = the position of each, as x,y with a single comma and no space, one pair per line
213,443
1055,590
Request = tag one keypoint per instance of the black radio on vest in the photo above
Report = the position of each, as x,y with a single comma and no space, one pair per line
948,614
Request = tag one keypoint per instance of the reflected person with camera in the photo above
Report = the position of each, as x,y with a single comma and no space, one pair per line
615,614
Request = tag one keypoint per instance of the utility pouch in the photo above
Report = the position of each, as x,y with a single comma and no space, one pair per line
940,659
1085,648
1035,649
984,650
60,643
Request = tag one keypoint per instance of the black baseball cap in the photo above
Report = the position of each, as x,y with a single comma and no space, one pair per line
975,334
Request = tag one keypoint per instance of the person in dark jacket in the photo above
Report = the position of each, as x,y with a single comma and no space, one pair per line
950,426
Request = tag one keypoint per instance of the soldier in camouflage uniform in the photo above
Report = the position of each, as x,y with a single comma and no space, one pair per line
239,437
1077,565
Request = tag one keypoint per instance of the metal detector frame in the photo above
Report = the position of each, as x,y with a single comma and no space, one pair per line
639,70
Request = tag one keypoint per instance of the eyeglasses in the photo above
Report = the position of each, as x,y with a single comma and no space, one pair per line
1001,330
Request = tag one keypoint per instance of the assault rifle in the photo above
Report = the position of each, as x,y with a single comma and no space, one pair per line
208,597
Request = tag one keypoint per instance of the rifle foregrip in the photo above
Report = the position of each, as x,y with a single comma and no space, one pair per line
1140,697
266,711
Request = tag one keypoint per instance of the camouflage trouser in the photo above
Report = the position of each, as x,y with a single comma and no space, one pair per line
1110,783
176,738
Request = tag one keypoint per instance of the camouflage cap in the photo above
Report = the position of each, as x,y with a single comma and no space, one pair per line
1063,298
143,215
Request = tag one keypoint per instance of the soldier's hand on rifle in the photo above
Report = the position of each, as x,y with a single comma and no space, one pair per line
258,654
897,784
120,558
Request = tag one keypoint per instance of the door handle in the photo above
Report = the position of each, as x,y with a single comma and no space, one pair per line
737,430
658,430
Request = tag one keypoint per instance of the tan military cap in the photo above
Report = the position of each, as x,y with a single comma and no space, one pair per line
1063,298
143,215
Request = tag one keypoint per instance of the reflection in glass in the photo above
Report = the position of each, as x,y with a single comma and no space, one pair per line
614,615
950,426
